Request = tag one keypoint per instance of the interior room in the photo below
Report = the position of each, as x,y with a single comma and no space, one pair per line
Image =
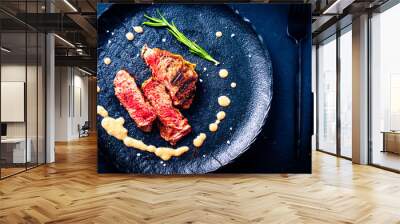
52,66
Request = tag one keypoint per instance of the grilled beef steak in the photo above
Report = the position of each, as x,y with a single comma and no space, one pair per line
130,96
173,125
174,72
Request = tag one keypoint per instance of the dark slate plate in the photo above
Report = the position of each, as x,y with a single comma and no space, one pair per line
243,55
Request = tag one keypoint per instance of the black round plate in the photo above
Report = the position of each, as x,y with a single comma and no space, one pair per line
239,50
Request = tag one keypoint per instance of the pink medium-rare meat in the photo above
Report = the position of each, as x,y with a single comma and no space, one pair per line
174,72
130,96
173,125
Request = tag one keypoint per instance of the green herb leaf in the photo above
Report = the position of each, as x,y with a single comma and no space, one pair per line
193,47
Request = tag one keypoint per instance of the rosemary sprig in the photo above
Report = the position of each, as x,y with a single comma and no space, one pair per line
193,47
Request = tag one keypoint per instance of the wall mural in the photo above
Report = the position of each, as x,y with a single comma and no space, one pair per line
193,89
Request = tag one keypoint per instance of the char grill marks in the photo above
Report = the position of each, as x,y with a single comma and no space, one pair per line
130,96
174,72
173,126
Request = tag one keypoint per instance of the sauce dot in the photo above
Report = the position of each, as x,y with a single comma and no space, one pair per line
223,73
218,34
199,140
213,127
138,29
129,36
233,84
203,136
224,101
107,61
221,115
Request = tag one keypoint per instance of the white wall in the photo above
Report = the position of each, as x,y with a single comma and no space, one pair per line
13,73
33,127
9,73
71,102
61,103
80,103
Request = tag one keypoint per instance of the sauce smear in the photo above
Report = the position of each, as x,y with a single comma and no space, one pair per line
115,128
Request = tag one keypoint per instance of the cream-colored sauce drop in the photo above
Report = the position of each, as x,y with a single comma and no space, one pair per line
98,89
138,29
115,128
213,127
218,34
233,84
221,115
129,36
101,111
107,60
223,73
199,140
224,101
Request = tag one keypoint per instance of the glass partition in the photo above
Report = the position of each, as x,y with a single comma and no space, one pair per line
22,78
41,97
31,97
14,153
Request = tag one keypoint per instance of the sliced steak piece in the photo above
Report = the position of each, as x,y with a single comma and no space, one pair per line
130,96
173,125
174,72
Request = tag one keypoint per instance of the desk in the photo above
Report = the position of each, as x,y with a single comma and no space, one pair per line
391,141
13,150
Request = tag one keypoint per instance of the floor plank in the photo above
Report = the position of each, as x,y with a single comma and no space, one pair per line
71,191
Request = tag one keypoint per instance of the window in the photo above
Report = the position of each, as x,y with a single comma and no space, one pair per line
385,88
327,96
346,93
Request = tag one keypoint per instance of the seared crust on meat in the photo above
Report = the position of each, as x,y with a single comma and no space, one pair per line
174,72
173,125
130,96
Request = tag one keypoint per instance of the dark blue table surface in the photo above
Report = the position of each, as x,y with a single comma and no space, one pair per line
274,150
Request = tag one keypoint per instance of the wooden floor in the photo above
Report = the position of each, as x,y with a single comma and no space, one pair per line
70,191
